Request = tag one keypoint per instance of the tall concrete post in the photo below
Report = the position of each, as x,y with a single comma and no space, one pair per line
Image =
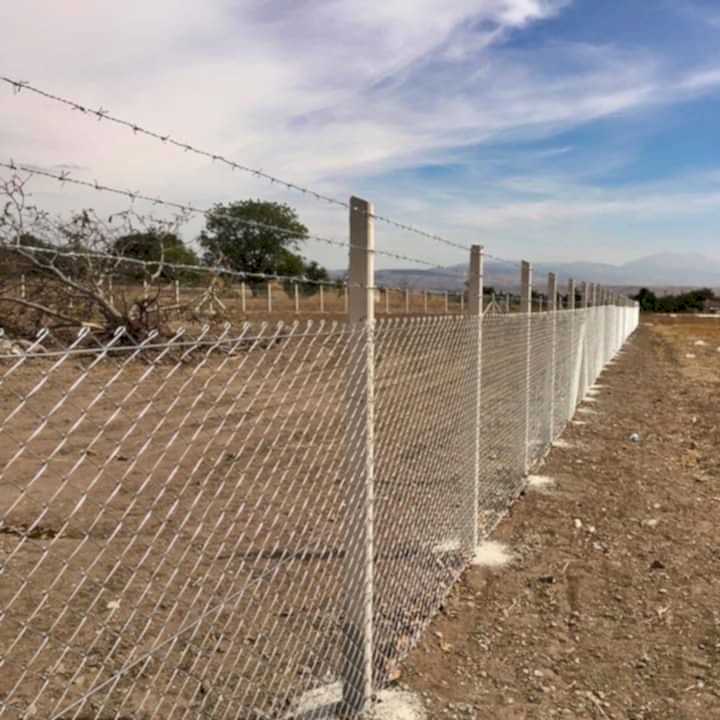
358,669
526,285
553,310
475,311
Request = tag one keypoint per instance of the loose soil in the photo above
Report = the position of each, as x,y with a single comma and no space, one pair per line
611,608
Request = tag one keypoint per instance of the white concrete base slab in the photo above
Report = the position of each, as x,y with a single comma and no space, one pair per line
319,703
491,554
322,704
397,705
540,482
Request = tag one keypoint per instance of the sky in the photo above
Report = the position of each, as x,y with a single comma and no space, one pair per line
542,129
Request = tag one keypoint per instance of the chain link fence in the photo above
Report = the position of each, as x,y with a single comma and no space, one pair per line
261,524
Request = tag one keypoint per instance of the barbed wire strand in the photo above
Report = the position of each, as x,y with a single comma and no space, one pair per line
103,114
65,177
216,269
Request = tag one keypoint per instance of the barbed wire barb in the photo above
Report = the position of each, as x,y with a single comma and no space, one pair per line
102,114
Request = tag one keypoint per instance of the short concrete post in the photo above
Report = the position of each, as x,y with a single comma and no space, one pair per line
447,304
177,292
322,298
243,297
268,289
296,297
425,301
507,302
475,311
407,301
462,303
552,309
23,287
526,310
146,289
387,301
358,660
346,300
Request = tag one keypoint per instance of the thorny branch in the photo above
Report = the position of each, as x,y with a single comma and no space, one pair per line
76,290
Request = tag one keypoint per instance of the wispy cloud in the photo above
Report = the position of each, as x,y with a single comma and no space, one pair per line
331,95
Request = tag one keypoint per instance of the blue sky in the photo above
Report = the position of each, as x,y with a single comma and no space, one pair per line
545,129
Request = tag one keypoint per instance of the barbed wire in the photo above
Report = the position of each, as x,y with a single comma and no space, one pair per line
215,269
104,114
65,177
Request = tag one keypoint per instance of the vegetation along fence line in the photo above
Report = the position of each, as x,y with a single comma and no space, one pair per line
260,524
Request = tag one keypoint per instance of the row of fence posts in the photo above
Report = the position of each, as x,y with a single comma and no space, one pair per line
358,684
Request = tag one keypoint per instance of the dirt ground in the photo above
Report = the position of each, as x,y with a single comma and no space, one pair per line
610,608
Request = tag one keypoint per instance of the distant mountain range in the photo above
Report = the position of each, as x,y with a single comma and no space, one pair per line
663,270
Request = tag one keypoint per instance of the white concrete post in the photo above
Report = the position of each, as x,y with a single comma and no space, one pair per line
526,310
322,299
358,670
177,292
23,287
268,287
425,301
462,303
571,307
447,305
407,301
475,311
387,301
146,290
243,297
507,302
552,309
296,297
346,299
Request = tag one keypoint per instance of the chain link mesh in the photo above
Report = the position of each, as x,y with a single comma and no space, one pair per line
186,528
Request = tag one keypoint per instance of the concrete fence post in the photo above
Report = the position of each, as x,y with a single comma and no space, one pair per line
407,301
387,301
553,310
296,297
322,298
571,360
526,285
243,297
447,302
268,289
23,287
425,301
475,311
358,656
177,292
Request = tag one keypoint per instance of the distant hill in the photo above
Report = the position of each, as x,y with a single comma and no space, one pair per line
663,270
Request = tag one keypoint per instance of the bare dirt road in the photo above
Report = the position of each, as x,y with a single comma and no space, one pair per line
610,609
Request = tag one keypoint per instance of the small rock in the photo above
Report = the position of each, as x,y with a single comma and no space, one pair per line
635,438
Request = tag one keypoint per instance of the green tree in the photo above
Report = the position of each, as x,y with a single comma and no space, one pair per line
152,247
258,236
647,299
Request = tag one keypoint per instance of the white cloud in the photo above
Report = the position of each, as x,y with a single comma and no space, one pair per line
324,92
